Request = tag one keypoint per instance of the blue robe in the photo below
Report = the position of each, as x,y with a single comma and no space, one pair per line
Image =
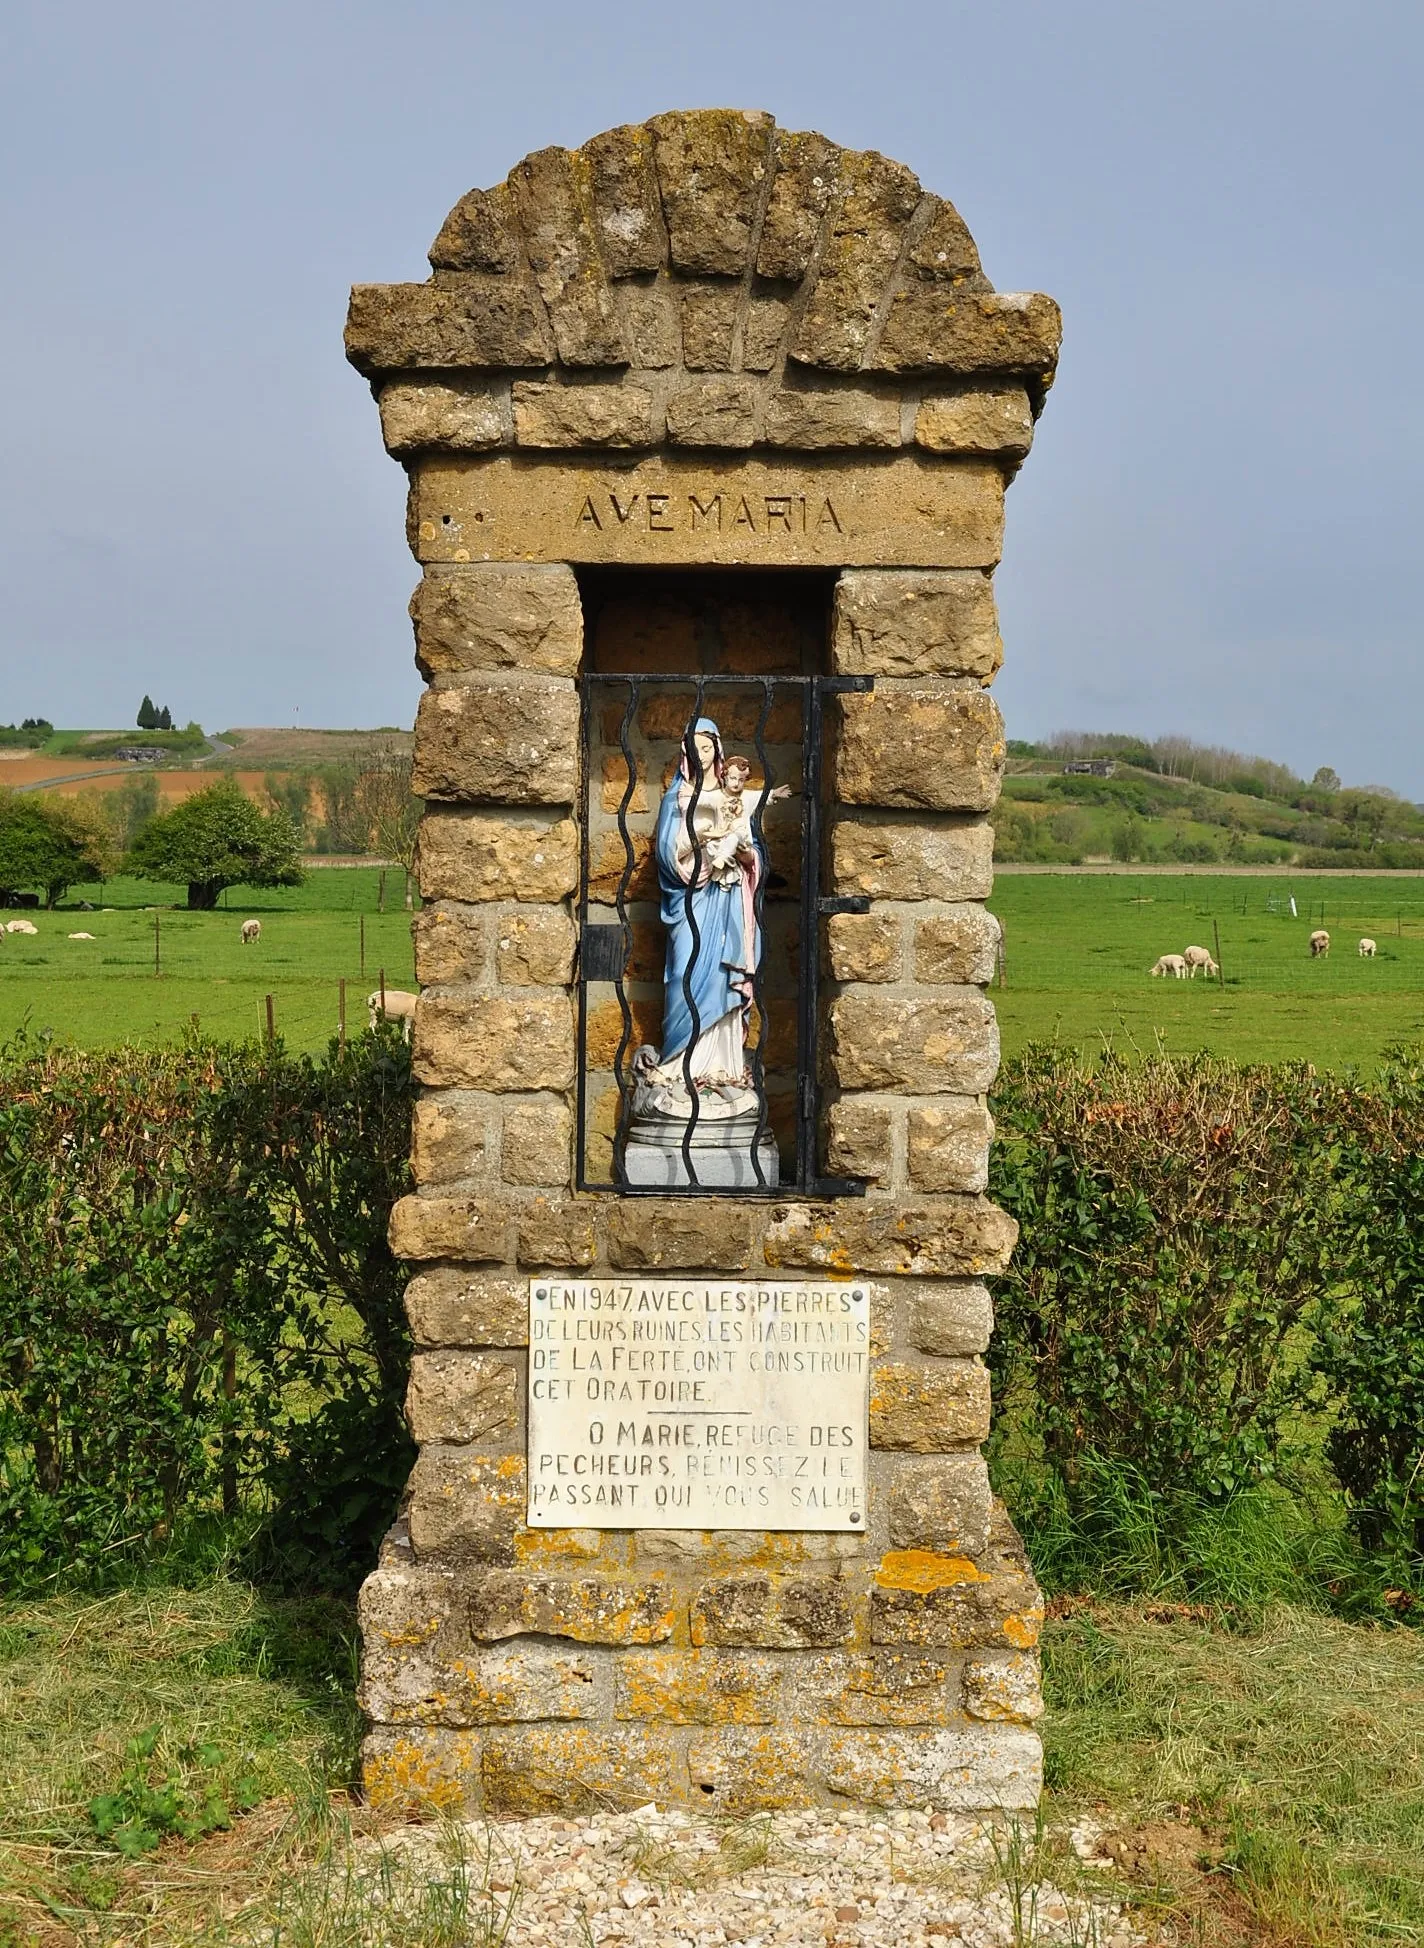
721,978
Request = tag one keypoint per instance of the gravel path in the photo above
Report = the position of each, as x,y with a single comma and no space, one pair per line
653,1879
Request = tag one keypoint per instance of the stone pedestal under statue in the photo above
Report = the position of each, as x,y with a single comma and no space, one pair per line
721,1154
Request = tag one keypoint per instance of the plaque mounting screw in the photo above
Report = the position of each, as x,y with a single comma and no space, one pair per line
855,1515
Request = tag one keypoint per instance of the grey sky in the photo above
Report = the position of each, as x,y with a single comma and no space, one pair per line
1217,532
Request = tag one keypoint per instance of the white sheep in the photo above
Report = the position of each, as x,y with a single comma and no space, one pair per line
1367,948
21,926
1196,957
81,936
1319,943
1172,964
251,930
398,1006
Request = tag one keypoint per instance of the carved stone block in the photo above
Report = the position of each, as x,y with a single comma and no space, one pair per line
449,1306
480,855
510,742
926,1409
459,1396
905,622
948,1145
901,744
498,616
497,1042
920,1044
914,859
943,1238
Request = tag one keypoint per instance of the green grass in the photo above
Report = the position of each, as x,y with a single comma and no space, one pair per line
1078,948
104,991
1296,1749
268,1683
1260,1786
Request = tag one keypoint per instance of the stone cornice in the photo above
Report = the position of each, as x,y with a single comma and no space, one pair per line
715,270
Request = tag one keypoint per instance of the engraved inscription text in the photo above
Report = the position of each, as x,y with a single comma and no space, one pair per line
667,1403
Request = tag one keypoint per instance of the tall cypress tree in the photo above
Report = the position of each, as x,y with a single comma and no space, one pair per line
147,715
165,719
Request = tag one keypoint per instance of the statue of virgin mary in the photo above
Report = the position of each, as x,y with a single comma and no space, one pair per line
710,863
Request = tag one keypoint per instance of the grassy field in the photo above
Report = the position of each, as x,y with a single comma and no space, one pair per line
1243,1786
104,990
1078,948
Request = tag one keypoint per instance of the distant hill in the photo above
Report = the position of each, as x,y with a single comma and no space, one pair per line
271,749
1172,801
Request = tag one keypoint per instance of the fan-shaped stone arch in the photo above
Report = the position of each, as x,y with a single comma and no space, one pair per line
705,278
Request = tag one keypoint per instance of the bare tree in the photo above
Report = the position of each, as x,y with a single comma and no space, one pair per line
390,811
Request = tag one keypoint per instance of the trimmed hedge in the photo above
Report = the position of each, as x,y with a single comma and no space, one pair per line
1217,1262
200,1318
199,1313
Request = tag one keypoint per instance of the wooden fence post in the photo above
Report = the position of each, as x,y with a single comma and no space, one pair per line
229,1444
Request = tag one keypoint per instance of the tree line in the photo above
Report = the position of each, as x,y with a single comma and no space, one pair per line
218,837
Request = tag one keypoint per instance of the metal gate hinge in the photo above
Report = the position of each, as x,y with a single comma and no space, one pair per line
602,953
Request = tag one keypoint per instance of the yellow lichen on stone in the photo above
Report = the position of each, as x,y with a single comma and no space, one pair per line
414,1634
401,1772
922,1571
531,1770
739,1772
565,1545
698,1687
1022,1631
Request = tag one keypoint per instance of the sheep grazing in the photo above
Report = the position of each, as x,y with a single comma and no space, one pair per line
81,936
1319,943
1172,964
398,1006
1367,949
1196,957
251,930
21,926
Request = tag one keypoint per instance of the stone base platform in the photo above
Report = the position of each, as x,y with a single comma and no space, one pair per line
733,1673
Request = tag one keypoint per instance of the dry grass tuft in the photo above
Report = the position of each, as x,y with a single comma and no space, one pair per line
1264,1787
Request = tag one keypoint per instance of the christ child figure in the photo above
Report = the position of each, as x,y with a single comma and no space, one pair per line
731,835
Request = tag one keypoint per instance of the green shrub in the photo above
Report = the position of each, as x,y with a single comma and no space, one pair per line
199,1313
1214,1322
1177,1229
1370,1346
1218,1290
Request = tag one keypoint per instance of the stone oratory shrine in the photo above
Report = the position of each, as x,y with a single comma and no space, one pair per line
707,426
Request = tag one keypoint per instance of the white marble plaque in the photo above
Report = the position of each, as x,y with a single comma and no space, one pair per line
692,1403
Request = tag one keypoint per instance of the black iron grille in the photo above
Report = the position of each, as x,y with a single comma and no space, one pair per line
782,718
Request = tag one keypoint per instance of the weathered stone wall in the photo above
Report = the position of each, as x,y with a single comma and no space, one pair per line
822,330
